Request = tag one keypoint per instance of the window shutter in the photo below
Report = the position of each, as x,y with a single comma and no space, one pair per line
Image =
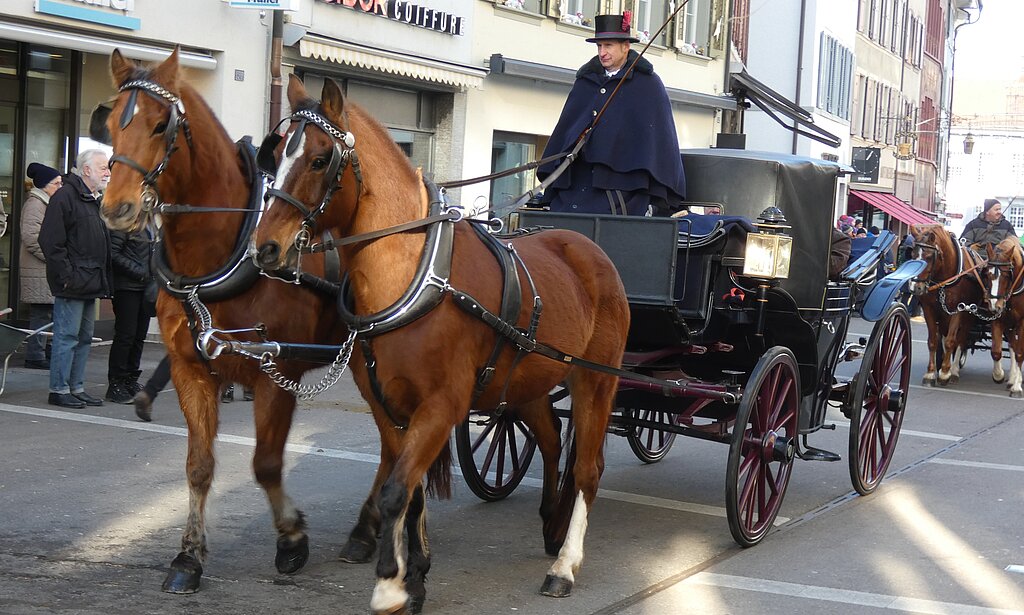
718,30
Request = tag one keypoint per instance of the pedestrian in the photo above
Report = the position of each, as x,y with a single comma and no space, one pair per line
76,245
130,255
32,264
144,398
630,163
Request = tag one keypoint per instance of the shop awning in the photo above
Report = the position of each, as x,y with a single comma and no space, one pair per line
391,62
775,104
892,205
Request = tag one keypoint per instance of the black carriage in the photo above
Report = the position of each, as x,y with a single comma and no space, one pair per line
733,340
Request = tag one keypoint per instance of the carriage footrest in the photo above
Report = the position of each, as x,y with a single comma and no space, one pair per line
809,453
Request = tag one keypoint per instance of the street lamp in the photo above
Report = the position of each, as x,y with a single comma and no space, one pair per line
969,143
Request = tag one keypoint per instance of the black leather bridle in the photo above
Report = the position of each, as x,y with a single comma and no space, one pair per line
176,120
343,153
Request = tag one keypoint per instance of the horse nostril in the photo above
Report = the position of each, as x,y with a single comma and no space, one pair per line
269,254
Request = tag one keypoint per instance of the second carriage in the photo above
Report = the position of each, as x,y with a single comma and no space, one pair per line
736,335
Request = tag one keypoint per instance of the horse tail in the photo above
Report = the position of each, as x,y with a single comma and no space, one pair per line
439,476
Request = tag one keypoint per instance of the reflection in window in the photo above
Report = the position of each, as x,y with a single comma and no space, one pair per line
509,150
532,6
650,15
418,146
579,12
693,27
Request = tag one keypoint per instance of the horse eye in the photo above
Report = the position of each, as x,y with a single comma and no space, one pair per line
160,128
319,163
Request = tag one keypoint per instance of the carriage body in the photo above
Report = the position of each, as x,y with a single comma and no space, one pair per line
755,371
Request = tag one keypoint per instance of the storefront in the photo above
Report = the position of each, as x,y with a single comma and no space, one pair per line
54,70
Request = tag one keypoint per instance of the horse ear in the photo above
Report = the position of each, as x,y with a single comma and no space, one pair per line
332,99
167,73
120,68
296,91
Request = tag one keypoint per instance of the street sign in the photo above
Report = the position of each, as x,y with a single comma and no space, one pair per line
266,5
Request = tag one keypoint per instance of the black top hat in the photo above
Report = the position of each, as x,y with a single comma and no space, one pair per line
613,28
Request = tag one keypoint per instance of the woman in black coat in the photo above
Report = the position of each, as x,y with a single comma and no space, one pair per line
130,256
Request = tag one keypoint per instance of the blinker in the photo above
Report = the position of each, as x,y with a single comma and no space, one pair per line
265,160
129,109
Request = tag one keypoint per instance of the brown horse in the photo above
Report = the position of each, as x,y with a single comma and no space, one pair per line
196,163
950,280
1007,260
425,370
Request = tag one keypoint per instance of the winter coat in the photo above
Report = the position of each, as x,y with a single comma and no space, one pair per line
76,243
980,230
32,264
632,149
129,255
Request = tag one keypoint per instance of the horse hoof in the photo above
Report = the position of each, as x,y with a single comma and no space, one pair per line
357,552
928,382
953,380
416,604
1017,394
556,587
943,383
291,555
184,576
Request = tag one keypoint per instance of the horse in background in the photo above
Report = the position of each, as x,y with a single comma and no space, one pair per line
167,142
1006,261
426,370
951,278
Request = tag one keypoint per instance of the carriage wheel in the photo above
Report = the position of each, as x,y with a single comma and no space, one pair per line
648,444
880,400
763,446
495,450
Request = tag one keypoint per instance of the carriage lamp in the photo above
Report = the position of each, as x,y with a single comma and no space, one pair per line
769,250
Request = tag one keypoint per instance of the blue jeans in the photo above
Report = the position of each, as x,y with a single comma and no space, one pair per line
73,321
39,314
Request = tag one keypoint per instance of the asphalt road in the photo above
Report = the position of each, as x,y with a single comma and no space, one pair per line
92,504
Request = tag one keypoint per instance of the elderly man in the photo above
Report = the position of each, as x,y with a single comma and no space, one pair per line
989,227
76,245
630,164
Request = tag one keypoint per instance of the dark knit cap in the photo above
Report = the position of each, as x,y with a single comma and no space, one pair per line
41,174
989,203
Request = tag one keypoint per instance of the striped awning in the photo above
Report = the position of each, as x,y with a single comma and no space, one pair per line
392,62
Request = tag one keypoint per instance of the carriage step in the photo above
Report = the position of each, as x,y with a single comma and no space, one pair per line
809,453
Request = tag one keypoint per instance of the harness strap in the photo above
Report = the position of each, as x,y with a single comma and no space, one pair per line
375,388
511,305
333,244
527,344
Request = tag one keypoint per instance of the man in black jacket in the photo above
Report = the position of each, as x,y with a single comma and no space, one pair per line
76,245
130,254
989,227
631,163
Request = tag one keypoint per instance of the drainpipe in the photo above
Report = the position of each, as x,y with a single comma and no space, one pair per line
276,45
800,63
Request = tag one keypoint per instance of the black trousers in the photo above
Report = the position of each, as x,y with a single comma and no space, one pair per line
158,380
130,327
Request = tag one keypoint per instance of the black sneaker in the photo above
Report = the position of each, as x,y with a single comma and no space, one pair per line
134,387
118,393
144,406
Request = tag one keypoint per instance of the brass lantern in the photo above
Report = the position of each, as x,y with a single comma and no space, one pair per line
770,249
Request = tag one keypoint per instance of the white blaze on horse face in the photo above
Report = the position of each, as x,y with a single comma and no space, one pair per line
286,166
571,555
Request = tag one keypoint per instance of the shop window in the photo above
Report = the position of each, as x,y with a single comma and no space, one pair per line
418,146
510,150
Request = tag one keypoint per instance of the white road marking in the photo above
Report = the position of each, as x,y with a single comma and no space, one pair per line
911,432
1015,568
843,596
978,464
940,389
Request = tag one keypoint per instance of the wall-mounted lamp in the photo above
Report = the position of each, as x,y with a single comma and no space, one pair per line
969,144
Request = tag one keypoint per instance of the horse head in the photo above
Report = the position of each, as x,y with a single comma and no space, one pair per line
933,245
145,123
1006,261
